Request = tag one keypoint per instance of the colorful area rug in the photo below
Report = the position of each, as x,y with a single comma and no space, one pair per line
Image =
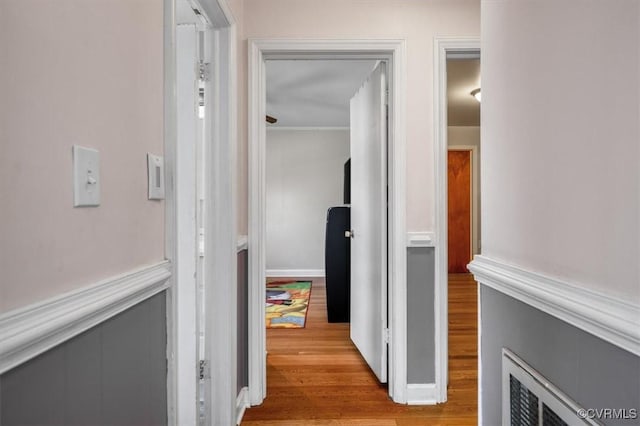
287,303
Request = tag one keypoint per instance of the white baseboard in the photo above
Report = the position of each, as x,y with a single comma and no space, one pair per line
421,394
613,320
242,403
32,330
295,273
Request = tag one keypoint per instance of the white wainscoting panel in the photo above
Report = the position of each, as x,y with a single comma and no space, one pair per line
421,239
29,331
295,273
613,320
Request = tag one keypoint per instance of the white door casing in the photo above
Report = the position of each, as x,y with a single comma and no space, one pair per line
442,48
394,53
369,221
219,176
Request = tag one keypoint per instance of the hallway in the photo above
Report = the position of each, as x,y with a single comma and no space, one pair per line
315,375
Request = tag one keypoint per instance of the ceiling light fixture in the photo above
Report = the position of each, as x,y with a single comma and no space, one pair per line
476,94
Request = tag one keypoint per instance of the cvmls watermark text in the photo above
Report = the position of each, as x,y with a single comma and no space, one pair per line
608,413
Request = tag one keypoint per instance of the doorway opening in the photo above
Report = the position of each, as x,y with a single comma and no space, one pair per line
312,109
457,139
391,53
463,172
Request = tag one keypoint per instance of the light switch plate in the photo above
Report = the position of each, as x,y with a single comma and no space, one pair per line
155,168
86,177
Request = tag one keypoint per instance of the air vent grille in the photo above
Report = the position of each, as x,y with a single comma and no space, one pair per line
550,418
529,399
524,404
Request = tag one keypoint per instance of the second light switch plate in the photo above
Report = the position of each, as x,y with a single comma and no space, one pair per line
155,169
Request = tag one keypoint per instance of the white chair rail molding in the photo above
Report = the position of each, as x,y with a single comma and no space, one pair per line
611,319
30,331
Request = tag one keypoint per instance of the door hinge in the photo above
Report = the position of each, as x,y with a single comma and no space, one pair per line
201,242
204,71
386,335
204,369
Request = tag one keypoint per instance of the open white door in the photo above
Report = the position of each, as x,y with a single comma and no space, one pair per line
369,221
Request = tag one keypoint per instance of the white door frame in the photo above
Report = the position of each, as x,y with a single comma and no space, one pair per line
220,222
443,47
394,51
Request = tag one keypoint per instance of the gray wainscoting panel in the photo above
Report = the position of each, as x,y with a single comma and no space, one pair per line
83,380
243,321
34,392
113,374
591,371
420,315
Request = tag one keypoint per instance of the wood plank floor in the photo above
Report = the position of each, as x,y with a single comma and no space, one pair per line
315,375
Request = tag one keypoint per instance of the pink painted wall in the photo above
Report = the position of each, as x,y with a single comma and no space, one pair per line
417,21
88,73
561,140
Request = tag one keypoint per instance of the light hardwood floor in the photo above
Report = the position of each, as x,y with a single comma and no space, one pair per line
315,375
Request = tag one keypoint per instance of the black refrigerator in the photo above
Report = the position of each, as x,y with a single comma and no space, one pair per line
337,257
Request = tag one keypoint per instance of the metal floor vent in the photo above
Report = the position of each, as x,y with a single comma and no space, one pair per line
528,399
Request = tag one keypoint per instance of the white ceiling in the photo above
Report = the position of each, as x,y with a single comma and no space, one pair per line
316,93
313,93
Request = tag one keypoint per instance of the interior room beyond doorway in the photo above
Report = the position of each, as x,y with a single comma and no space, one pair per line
307,148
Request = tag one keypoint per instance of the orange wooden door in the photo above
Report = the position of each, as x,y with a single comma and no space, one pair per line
459,205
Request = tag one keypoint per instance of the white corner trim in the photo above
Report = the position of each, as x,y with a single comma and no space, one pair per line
243,243
32,330
421,239
421,394
170,137
293,273
479,363
242,403
613,320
